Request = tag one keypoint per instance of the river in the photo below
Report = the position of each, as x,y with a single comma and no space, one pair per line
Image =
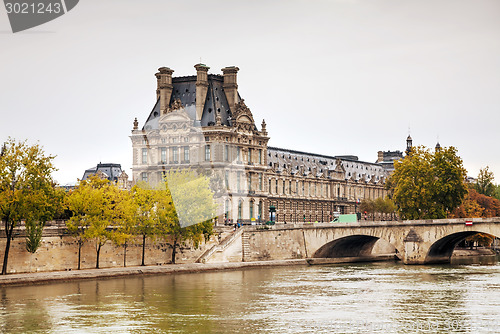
347,298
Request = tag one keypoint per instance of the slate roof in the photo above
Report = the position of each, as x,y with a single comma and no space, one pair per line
317,164
112,171
184,88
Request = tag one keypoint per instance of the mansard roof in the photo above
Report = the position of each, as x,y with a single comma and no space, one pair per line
317,164
110,170
184,90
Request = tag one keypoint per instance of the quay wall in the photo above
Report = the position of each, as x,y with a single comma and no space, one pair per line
59,251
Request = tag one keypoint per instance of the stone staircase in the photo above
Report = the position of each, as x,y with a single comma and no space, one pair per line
217,251
245,246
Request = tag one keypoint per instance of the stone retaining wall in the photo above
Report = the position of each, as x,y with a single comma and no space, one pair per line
59,251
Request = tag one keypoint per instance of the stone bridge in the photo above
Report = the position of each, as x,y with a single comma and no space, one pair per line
416,242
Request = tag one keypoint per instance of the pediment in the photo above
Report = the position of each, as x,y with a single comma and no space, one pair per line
244,119
175,116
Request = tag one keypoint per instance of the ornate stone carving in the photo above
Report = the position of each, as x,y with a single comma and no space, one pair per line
218,119
176,105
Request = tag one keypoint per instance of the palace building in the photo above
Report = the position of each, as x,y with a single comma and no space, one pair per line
202,123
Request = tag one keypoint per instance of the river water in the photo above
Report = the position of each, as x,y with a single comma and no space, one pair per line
347,298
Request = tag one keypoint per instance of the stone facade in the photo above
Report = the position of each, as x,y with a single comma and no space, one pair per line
201,122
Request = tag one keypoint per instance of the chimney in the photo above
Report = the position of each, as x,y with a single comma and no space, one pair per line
164,87
201,88
380,156
231,85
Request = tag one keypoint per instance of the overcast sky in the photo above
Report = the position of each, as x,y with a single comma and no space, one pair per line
330,77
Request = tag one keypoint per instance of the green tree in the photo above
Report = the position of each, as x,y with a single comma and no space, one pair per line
497,191
428,185
27,191
389,207
148,203
367,205
484,183
189,219
34,228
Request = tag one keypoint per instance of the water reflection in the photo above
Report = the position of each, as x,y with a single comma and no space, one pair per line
348,298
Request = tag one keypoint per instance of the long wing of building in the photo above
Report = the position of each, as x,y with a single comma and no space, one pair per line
200,122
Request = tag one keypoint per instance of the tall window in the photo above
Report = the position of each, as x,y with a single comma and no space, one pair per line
260,181
144,176
240,209
226,152
283,183
276,187
290,187
175,155
259,210
186,153
163,155
249,180
144,155
260,157
238,153
251,210
238,180
207,152
226,209
249,155
226,179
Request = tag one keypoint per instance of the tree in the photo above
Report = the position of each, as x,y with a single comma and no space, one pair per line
428,185
468,209
482,239
368,205
497,191
123,223
385,206
26,187
189,218
34,228
84,202
477,205
98,209
148,203
484,183
381,205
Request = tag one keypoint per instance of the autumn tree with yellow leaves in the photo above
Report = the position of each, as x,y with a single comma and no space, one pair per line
27,191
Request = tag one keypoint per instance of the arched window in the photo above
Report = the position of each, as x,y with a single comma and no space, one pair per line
251,209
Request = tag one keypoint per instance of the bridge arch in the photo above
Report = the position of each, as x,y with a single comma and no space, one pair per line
442,250
357,245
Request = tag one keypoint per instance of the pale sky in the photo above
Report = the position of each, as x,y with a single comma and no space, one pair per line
333,77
